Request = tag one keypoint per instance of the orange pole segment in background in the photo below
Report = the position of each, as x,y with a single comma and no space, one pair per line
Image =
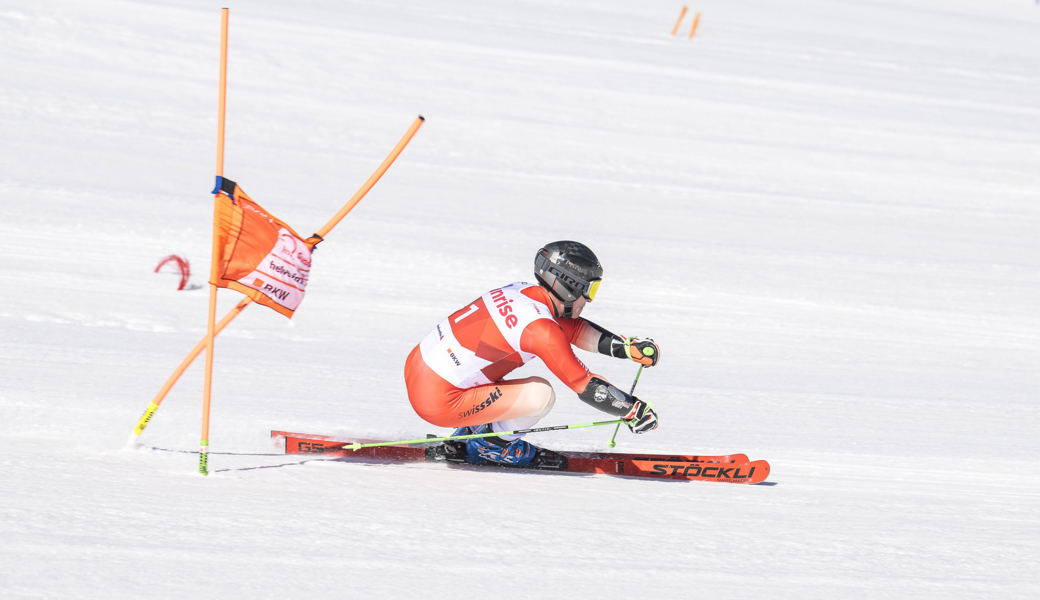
184,366
682,14
203,343
696,20
212,313
390,158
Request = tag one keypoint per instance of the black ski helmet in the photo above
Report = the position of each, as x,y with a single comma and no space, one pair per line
568,270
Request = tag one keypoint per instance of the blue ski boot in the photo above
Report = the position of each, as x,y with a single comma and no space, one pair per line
495,452
516,453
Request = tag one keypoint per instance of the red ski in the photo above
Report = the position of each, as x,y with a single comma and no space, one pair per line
730,468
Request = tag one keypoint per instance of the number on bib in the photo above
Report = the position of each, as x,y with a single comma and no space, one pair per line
472,309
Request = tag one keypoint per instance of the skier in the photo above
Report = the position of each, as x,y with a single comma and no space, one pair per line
455,375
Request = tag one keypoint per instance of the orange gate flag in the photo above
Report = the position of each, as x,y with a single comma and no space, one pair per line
259,255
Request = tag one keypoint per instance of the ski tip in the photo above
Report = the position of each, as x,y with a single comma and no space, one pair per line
763,473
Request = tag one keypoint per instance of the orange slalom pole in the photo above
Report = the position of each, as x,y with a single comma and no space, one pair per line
212,313
696,20
389,160
682,14
154,405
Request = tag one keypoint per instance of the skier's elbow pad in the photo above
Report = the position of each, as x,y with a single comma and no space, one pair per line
602,396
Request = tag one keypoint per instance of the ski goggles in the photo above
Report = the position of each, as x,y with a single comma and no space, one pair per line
593,288
566,283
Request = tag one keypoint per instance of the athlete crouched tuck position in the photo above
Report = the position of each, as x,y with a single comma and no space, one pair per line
455,375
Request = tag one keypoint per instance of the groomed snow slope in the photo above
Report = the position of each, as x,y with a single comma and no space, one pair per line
826,213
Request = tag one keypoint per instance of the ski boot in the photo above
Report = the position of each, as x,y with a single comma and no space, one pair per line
495,451
515,453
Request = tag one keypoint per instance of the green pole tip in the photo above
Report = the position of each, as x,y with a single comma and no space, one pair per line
355,446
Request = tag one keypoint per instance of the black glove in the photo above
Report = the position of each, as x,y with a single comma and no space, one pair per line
641,418
644,352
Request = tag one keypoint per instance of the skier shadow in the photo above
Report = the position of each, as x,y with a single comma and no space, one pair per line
375,462
298,463
317,458
157,449
229,469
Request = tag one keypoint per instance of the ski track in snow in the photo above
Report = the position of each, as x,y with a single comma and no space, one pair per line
826,213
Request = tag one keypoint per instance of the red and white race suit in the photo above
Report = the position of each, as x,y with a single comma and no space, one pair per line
454,376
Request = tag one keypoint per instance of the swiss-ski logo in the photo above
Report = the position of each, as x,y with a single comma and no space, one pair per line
492,397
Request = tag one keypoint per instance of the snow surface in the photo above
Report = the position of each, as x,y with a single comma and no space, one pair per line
826,213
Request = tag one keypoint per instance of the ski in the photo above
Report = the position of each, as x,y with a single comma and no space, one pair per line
729,468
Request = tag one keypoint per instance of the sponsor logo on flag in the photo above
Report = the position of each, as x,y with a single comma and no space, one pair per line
260,255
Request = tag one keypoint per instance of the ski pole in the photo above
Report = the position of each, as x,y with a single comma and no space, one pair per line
359,445
612,443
